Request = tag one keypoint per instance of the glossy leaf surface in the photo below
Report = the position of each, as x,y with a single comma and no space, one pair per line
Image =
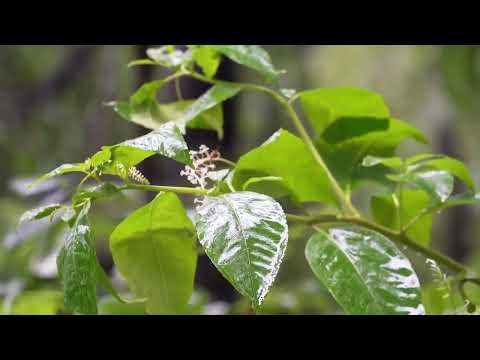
364,271
77,267
245,235
253,57
154,249
39,213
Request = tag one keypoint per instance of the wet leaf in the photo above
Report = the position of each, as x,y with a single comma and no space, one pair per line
77,267
62,170
364,272
253,57
439,184
392,162
166,140
444,163
39,213
155,250
245,235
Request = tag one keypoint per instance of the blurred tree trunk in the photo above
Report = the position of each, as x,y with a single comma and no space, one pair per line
459,219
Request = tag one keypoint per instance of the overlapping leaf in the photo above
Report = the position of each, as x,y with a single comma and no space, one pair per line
245,235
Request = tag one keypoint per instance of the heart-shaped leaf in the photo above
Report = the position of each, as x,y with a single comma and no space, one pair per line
365,272
245,235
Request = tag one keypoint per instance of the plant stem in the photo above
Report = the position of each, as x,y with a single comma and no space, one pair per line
177,190
342,199
393,235
228,162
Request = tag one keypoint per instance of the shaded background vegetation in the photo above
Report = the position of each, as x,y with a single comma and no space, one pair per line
52,112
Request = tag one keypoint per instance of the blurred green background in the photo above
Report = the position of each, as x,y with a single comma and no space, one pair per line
52,112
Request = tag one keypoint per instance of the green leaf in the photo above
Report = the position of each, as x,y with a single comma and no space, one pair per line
253,57
459,200
445,163
111,306
62,170
439,184
286,156
392,162
38,302
364,272
216,95
344,159
413,202
359,110
77,267
39,213
168,57
104,190
208,58
154,249
166,140
245,235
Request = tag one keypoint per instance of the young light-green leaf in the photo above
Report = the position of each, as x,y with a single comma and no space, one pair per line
286,156
364,272
360,111
61,170
245,235
154,249
207,57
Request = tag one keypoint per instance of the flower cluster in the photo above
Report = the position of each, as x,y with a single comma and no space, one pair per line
203,162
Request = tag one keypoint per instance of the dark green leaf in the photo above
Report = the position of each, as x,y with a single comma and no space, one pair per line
101,191
365,272
154,249
245,235
286,156
384,212
77,267
253,57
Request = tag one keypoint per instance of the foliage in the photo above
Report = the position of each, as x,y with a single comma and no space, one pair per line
245,211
